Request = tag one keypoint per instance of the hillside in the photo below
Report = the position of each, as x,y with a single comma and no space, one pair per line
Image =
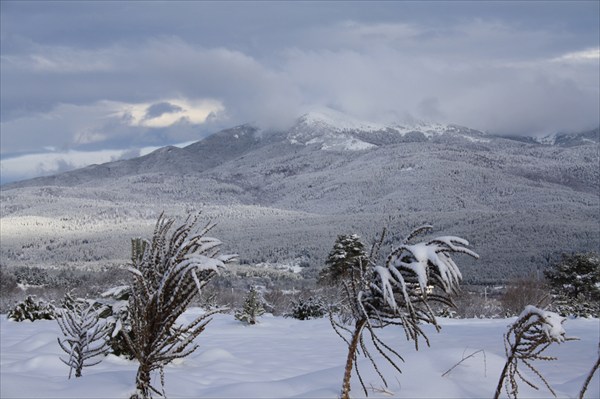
284,196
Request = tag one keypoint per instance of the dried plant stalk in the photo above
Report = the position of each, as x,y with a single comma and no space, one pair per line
533,331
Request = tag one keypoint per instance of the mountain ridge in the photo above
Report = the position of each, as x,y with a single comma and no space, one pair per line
282,195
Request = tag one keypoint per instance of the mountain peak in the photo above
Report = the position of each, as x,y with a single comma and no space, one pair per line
335,130
338,121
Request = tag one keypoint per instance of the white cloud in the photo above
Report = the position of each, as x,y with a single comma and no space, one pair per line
588,55
108,123
48,163
486,74
31,165
62,60
192,111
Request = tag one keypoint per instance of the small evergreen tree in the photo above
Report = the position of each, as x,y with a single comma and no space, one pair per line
253,307
575,284
348,254
32,309
305,309
113,305
86,336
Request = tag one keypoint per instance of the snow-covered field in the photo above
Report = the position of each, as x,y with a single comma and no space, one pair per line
288,358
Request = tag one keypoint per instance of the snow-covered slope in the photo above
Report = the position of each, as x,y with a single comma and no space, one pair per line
335,131
570,140
284,195
289,358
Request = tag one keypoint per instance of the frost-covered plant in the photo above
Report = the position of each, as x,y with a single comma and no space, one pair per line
32,309
398,292
113,305
305,309
252,309
533,331
348,254
86,336
575,283
168,272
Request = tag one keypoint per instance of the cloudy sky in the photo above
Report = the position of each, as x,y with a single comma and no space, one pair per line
88,82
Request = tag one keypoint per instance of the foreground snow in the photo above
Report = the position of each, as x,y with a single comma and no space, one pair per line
287,358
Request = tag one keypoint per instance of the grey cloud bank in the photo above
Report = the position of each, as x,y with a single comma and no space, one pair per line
95,76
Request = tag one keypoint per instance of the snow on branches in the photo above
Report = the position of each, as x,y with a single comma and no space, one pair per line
168,272
533,331
398,291
86,337
253,307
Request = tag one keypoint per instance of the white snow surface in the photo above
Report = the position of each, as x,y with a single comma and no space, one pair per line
289,358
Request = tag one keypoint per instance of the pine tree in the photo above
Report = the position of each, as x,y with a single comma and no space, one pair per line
575,283
305,309
253,307
168,272
86,336
348,254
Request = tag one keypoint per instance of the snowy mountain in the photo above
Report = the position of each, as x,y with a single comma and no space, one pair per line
284,196
335,131
572,139
562,139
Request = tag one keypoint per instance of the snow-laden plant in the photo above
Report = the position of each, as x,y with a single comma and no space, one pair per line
348,253
32,309
168,272
533,331
253,307
305,309
86,336
575,283
113,305
397,291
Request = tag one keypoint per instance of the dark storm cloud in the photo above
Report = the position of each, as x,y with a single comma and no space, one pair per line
156,110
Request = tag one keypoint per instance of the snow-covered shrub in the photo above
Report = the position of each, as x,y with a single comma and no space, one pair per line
305,309
575,283
86,336
168,272
32,276
113,306
398,291
533,331
32,309
252,309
